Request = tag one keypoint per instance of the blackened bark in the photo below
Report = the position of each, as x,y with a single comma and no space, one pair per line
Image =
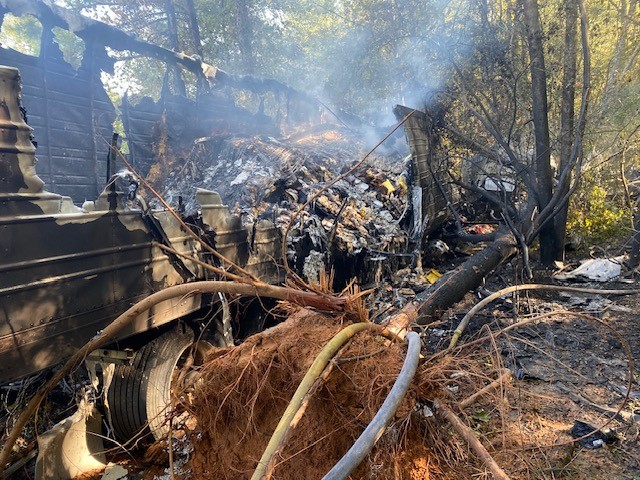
453,286
194,29
567,116
196,40
548,248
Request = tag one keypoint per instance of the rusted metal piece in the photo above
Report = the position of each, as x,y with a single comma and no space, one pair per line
18,166
418,129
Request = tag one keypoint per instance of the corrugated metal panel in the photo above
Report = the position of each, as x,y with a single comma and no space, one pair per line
71,115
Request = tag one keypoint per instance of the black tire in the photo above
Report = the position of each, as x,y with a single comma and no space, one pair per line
139,396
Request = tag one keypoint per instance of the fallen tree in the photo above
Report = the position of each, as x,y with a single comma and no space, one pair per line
453,286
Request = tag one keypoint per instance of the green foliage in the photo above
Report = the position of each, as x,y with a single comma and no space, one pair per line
481,416
21,33
596,216
71,46
136,77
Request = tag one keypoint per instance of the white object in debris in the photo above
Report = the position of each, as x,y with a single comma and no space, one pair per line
313,265
72,447
114,472
241,178
493,186
597,269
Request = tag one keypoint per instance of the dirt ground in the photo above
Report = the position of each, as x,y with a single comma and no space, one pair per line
566,369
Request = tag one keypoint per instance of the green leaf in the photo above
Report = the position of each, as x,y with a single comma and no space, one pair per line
481,416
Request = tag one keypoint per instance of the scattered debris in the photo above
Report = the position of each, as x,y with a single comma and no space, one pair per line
595,269
375,225
114,471
590,437
358,226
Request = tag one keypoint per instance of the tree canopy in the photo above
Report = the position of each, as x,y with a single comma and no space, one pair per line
503,78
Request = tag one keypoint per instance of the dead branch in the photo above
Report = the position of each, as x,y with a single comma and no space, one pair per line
489,197
467,434
490,125
471,143
470,400
567,314
404,318
451,288
460,233
212,268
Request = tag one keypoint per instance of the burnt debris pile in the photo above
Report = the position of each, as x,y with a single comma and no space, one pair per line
359,226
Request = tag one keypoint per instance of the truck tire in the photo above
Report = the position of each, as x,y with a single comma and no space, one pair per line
140,394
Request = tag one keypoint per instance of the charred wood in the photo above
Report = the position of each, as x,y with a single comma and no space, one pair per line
451,288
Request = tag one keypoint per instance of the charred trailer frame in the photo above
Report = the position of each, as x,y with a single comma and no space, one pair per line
66,272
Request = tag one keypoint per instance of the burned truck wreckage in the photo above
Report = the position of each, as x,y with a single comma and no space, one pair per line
271,191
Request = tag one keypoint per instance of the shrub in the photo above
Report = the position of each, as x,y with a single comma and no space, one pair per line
595,216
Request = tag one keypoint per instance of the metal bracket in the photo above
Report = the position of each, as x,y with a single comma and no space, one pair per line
111,356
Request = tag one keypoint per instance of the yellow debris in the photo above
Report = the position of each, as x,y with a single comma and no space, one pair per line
432,276
402,183
389,186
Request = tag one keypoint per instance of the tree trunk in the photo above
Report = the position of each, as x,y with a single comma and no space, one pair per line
194,29
567,115
452,287
245,35
172,34
548,248
196,40
625,14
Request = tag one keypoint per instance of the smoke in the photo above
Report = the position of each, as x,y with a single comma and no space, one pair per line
400,54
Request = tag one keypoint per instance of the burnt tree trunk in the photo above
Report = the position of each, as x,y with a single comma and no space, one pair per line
194,29
453,286
548,248
172,34
196,40
567,115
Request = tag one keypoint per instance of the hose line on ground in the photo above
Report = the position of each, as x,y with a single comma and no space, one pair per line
520,288
266,464
378,425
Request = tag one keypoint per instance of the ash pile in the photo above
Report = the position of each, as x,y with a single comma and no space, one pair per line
361,227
